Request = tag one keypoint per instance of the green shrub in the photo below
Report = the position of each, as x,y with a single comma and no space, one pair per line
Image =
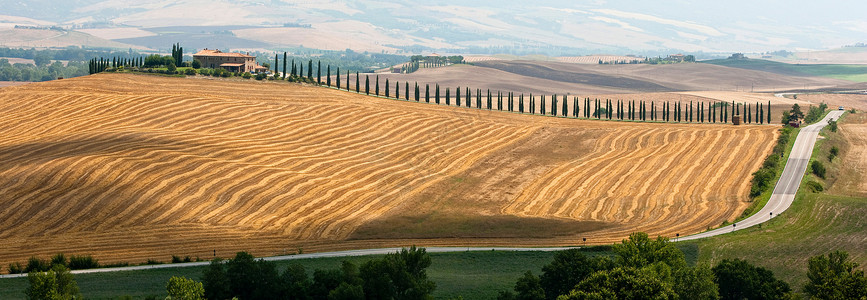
818,169
16,268
814,187
190,71
82,262
35,264
185,289
832,125
261,76
247,75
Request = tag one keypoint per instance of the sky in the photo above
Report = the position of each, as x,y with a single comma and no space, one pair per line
618,26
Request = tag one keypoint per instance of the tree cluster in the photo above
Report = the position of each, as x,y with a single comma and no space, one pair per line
400,275
36,73
643,268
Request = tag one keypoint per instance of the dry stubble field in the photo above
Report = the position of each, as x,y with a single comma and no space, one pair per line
127,168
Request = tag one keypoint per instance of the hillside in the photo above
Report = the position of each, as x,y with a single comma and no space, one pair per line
580,79
854,73
128,167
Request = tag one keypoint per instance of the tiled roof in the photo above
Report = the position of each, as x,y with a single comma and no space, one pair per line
231,65
207,52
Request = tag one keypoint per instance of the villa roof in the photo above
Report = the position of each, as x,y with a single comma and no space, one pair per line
217,52
231,65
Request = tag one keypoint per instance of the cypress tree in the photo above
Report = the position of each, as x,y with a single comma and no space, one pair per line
437,94
397,90
386,87
276,64
406,91
554,105
417,92
468,101
458,96
338,78
294,69
319,75
367,84
758,113
447,96
284,69
565,109
347,81
511,102
521,104
652,111
490,100
328,75
377,85
479,98
542,105
357,83
575,107
301,70
532,104
499,101
747,113
769,112
310,70
427,93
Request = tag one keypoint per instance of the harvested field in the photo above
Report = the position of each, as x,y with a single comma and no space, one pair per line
834,100
127,167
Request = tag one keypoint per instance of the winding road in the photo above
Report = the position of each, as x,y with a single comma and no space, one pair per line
781,199
787,186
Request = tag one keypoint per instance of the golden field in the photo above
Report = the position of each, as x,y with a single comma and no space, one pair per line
130,167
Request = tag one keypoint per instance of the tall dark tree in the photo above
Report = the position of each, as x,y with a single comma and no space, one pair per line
276,64
542,105
386,86
532,104
759,113
327,76
284,69
521,104
366,84
468,99
406,91
377,85
565,109
479,98
448,102
458,96
427,93
769,113
310,70
554,105
652,111
417,92
295,69
437,94
490,100
319,74
338,78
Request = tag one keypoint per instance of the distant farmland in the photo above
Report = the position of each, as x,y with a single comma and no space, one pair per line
127,168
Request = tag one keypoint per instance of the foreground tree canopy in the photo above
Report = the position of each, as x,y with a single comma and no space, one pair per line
400,275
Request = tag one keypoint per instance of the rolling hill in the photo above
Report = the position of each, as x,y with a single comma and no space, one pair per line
127,167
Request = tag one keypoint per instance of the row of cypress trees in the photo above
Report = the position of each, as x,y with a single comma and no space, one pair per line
669,111
97,65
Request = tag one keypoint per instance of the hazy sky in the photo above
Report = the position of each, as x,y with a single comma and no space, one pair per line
735,25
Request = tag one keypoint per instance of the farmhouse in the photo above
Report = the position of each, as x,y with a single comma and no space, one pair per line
232,61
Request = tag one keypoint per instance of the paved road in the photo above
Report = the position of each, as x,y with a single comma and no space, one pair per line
304,256
781,199
787,186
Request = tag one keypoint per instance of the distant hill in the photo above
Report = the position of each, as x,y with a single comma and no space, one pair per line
856,73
